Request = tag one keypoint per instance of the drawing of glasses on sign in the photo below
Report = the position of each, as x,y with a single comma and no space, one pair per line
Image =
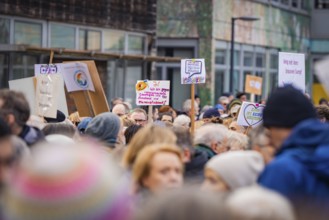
48,69
193,67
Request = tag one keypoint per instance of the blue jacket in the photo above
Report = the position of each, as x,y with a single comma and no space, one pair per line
301,167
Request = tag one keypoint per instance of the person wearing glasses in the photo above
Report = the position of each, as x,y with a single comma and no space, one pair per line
139,116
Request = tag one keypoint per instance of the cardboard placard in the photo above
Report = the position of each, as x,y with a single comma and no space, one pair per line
251,114
152,92
253,84
90,103
77,77
292,70
322,72
193,71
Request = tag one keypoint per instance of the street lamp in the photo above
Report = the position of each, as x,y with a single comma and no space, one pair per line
243,18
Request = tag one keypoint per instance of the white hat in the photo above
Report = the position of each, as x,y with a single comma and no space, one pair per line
237,168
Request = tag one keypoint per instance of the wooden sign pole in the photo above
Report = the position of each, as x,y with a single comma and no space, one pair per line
51,57
192,110
252,97
150,114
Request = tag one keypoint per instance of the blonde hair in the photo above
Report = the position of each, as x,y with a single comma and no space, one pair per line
126,121
150,134
142,166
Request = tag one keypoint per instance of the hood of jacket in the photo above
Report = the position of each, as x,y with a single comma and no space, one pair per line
309,144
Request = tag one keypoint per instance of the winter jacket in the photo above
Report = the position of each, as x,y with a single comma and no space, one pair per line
300,170
194,168
31,135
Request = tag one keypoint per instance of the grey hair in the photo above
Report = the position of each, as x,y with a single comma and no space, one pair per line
255,203
237,140
187,105
222,98
182,120
210,133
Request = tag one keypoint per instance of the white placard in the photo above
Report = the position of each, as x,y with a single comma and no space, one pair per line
193,71
77,77
54,69
292,70
322,72
46,95
251,114
152,92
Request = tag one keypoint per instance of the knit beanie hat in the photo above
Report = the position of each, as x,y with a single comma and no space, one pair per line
212,112
237,168
104,127
286,107
66,182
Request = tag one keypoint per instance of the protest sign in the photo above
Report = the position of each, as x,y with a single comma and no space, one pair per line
253,85
322,72
193,71
251,114
152,92
26,86
46,96
77,77
53,71
89,103
292,70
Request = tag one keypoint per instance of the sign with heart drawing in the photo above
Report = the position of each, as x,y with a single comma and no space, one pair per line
251,114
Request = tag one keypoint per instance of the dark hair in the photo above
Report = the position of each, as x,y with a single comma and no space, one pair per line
60,128
131,131
184,139
15,103
4,129
165,113
322,112
239,94
323,101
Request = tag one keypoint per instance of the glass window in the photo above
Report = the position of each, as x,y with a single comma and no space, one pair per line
114,41
4,31
236,57
273,80
23,65
220,57
184,52
274,61
219,83
285,2
4,71
236,80
89,40
322,4
260,60
135,44
294,3
62,36
247,59
305,4
133,73
28,33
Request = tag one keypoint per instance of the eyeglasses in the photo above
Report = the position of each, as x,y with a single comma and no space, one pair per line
139,120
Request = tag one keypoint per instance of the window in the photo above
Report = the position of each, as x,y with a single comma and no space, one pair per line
4,31
133,73
28,33
219,83
220,57
247,59
260,60
89,40
322,4
4,70
294,3
274,61
114,41
62,36
285,2
305,5
23,66
135,44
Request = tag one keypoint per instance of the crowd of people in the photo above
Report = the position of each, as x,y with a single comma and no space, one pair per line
127,164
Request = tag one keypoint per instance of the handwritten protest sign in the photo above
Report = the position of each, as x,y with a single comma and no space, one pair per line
77,77
47,90
292,70
253,84
322,72
152,92
193,71
251,114
52,71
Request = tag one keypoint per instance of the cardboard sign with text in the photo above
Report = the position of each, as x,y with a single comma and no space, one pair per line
152,92
253,84
251,114
193,71
292,70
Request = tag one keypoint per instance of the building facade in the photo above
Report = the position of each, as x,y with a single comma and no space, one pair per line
86,28
204,30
